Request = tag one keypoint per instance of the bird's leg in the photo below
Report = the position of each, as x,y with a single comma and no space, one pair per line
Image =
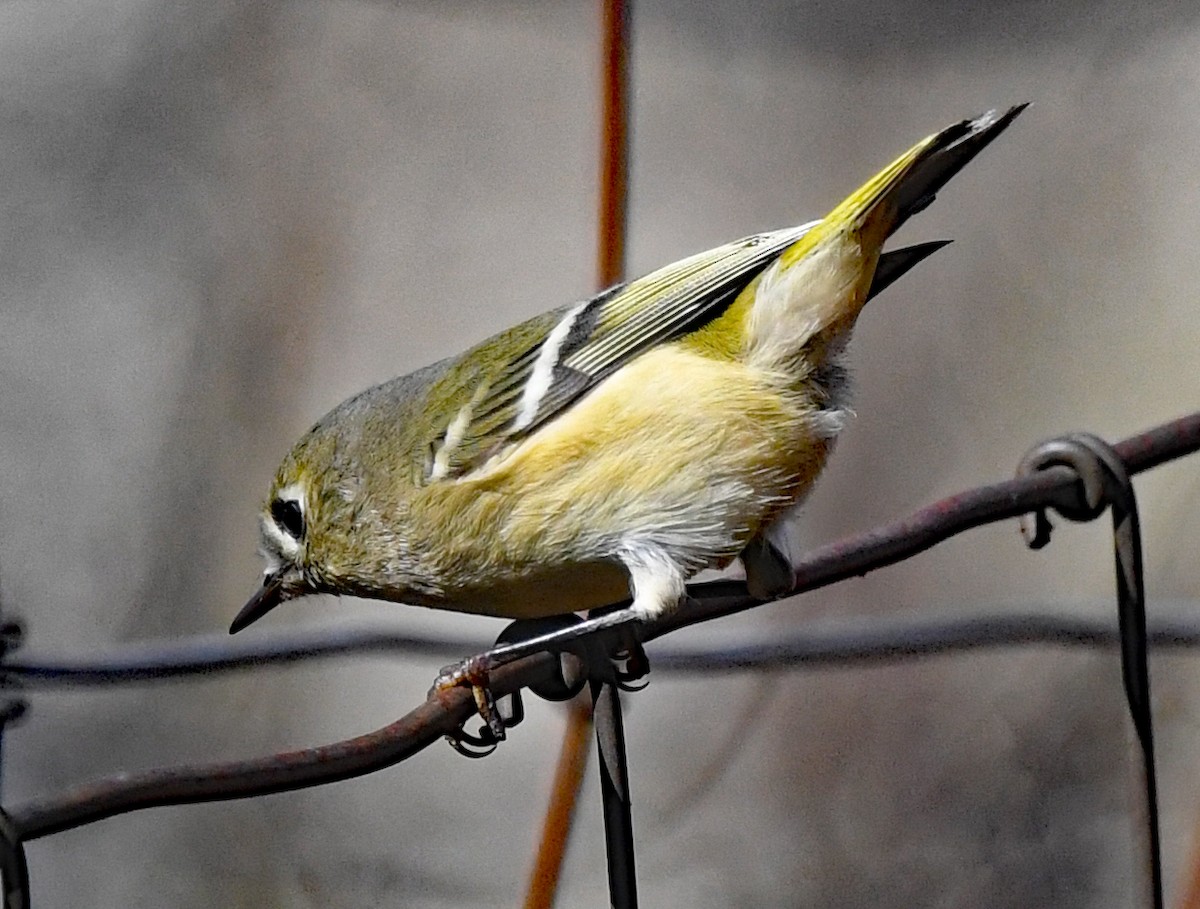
591,639
473,672
658,587
769,573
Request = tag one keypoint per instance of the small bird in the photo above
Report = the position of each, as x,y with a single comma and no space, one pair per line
612,447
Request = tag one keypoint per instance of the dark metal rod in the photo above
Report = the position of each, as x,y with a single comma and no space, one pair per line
14,872
882,640
843,642
614,791
205,655
1131,609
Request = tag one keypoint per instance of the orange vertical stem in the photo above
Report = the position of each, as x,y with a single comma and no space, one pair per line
614,163
1191,894
560,813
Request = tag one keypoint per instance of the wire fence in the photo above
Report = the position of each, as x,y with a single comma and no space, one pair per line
1077,477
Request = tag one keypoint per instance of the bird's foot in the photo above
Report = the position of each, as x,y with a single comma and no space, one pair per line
605,647
473,673
769,572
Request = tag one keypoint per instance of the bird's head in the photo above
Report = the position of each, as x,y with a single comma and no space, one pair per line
322,528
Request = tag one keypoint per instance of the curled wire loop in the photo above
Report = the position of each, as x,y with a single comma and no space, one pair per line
1102,478
1104,481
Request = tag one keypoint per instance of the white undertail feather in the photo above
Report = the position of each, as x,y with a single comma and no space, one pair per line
655,580
794,304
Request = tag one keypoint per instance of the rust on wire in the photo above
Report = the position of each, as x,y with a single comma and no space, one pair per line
853,556
442,714
933,524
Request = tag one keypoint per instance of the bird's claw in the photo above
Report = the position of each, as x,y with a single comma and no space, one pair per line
473,673
472,746
634,674
630,665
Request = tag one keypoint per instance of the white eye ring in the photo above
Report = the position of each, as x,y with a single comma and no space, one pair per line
284,526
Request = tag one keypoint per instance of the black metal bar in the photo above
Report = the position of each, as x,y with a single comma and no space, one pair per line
883,639
1104,482
1131,612
841,642
14,872
205,655
614,791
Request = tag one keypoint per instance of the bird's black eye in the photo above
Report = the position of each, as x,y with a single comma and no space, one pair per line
287,514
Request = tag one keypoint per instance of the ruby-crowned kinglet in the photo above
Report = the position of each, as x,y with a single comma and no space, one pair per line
613,446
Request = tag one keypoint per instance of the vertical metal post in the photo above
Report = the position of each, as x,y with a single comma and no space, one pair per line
614,790
1131,614
1104,481
14,873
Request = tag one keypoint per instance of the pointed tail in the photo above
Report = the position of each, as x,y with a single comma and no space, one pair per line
815,290
906,186
953,148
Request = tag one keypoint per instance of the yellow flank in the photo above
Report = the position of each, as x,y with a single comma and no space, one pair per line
691,455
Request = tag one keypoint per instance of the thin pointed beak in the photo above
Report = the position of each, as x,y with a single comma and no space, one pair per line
268,597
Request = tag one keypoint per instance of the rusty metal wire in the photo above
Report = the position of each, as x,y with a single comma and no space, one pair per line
445,711
1057,488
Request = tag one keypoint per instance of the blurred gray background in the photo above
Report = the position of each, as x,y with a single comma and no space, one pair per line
218,219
